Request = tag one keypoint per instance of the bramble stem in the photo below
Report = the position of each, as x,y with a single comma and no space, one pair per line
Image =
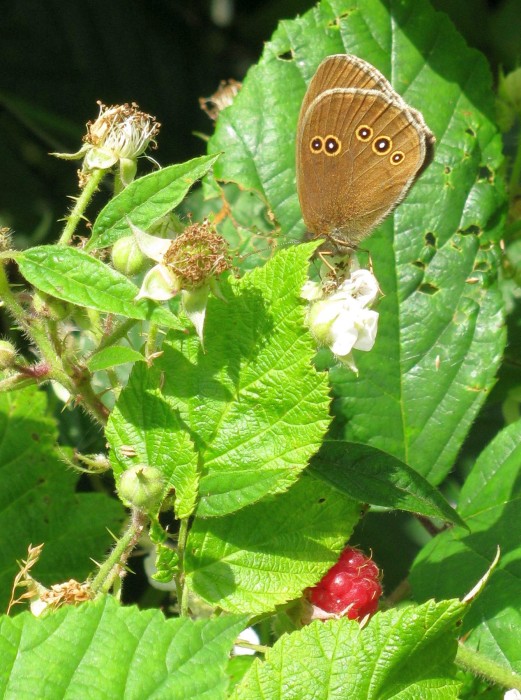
41,337
80,205
182,596
115,563
479,665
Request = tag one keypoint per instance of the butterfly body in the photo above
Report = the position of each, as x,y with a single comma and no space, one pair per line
360,148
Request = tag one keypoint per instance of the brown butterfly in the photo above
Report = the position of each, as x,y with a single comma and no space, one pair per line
360,148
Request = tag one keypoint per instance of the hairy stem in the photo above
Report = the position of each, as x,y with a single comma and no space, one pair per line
80,205
479,665
115,563
182,596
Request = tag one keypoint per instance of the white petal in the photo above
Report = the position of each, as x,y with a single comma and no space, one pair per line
159,284
362,286
344,337
99,159
247,635
153,247
323,312
194,304
312,291
367,330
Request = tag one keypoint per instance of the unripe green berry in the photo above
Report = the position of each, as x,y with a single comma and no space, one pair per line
7,354
127,257
141,487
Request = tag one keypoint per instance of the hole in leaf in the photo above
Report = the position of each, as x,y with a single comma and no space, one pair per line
447,169
470,131
428,288
430,238
420,264
486,173
482,267
321,500
471,230
338,19
286,56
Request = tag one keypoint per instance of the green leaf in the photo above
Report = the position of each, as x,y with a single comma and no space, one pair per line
39,502
441,329
112,357
102,651
266,554
254,405
371,476
406,653
455,560
143,420
77,277
146,200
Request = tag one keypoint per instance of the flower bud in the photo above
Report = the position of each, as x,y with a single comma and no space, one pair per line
127,257
141,487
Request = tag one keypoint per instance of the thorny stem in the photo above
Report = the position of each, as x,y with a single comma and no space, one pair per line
38,333
115,563
248,645
119,332
35,330
182,596
479,665
150,346
81,204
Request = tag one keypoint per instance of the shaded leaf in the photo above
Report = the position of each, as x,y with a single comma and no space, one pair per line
373,477
440,331
455,560
39,502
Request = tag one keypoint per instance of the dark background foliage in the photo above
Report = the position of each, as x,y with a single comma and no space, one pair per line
58,58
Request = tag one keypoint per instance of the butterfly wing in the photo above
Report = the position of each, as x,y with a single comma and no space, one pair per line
344,71
358,153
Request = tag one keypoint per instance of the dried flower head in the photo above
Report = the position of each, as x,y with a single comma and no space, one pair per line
119,135
68,593
189,264
123,131
197,254
221,98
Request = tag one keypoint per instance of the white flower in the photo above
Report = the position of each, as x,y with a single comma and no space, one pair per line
341,320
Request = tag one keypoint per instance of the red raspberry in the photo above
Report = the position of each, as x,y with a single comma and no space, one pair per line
350,588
